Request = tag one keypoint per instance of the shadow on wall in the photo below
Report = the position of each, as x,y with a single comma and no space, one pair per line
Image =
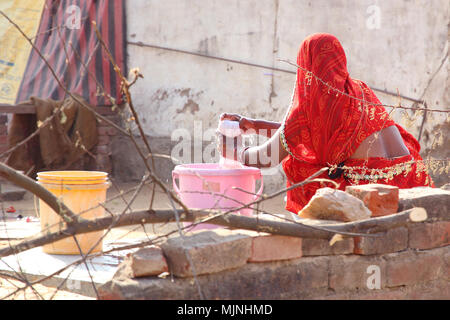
127,164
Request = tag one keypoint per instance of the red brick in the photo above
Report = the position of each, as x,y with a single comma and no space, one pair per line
351,272
321,247
115,118
3,129
102,150
445,271
432,290
379,198
311,271
3,139
103,163
429,235
409,267
3,119
208,251
102,131
106,295
145,262
275,248
268,247
106,131
148,262
387,294
103,140
393,240
375,294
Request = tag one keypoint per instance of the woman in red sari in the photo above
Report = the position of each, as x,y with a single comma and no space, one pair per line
334,121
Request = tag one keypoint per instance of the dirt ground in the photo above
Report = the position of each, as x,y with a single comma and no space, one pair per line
27,208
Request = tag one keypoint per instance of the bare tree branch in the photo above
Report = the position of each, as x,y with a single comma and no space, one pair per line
371,225
29,184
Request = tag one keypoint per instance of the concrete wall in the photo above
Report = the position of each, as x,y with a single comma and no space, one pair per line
394,45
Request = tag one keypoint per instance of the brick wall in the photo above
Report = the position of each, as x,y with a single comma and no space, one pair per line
408,262
3,133
102,152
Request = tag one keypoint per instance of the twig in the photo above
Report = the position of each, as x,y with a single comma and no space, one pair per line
233,221
29,184
125,88
59,81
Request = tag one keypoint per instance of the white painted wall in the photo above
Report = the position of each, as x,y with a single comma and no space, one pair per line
401,50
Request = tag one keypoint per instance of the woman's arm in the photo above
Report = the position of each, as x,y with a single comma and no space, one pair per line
253,126
269,154
266,128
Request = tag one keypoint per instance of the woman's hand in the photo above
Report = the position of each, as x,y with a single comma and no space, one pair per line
252,126
245,123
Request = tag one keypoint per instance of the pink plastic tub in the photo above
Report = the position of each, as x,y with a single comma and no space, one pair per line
208,186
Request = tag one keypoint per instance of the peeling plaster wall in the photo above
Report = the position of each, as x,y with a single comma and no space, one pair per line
389,44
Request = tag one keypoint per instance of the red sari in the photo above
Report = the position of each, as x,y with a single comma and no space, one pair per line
324,127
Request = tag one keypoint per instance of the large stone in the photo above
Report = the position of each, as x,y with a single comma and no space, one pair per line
206,252
435,201
332,204
381,199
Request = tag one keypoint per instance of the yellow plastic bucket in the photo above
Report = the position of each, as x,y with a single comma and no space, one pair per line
80,191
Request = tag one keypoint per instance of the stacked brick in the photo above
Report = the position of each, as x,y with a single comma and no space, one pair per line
3,133
380,199
411,262
102,151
